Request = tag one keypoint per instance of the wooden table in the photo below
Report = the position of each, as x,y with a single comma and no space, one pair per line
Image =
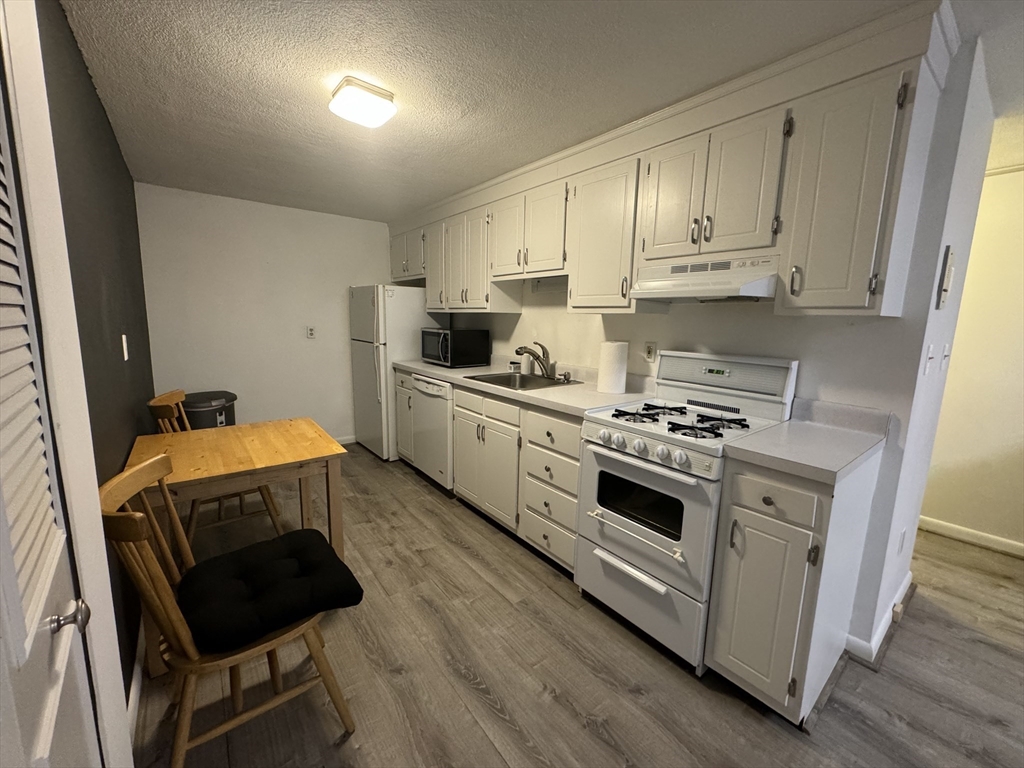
216,462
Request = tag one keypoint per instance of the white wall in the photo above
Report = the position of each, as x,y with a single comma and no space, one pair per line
976,483
231,286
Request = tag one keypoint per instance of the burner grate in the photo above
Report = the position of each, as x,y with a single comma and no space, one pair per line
635,417
663,410
720,422
692,430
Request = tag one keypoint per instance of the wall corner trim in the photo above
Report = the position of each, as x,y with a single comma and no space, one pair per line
868,650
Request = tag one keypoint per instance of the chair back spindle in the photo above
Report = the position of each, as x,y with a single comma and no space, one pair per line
169,411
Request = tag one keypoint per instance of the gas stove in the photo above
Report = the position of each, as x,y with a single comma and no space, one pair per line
703,402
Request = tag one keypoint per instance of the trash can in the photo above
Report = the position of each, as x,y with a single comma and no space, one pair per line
210,409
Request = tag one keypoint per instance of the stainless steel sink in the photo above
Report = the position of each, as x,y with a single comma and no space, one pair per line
520,381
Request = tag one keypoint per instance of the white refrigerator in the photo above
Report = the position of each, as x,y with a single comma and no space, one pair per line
384,325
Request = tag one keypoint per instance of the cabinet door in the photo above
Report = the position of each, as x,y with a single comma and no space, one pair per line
455,261
414,259
475,282
744,163
757,593
841,146
544,234
505,236
675,199
599,234
433,255
500,467
398,265
403,405
468,450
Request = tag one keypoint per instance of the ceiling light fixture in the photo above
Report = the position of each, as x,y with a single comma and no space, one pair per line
362,103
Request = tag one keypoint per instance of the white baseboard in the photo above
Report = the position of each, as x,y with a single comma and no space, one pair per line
345,439
867,651
986,540
135,689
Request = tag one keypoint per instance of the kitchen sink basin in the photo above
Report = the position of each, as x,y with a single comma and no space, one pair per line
519,381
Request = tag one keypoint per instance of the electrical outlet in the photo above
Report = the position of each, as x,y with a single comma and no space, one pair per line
310,332
650,351
124,345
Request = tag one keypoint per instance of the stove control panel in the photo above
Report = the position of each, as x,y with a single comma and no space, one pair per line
692,462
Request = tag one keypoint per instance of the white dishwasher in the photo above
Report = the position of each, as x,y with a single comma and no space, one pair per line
433,411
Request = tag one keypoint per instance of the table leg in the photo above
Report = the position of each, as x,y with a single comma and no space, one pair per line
305,502
335,532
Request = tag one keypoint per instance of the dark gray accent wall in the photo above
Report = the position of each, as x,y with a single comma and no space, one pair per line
98,197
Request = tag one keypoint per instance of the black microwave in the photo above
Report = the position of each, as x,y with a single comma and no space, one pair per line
456,347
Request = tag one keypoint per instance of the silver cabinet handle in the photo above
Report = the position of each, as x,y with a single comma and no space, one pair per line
767,501
439,296
410,402
519,257
625,285
792,281
695,231
483,433
708,234
732,533
526,255
79,617
477,431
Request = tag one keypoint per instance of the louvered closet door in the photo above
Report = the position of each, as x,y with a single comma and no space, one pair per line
48,674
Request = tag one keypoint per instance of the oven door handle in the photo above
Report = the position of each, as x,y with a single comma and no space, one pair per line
625,458
676,553
629,570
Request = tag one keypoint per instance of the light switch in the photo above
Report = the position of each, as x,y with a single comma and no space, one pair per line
124,345
946,352
928,359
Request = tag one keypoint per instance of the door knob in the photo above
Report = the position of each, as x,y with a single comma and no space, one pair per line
79,617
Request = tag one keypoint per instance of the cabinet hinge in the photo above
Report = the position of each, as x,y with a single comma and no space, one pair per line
873,284
787,126
487,219
792,686
519,441
901,95
517,518
648,169
776,225
567,192
812,554
487,298
423,237
564,257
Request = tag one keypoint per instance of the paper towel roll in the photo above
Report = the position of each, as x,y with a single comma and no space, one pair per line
611,367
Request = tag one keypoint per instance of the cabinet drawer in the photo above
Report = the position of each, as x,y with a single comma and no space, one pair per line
789,504
549,503
499,411
403,380
469,401
553,434
554,469
549,538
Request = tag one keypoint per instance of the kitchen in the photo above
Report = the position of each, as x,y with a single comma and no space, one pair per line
664,398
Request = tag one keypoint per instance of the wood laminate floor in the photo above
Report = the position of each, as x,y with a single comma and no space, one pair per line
470,650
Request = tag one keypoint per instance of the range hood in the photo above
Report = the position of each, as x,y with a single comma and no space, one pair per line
745,278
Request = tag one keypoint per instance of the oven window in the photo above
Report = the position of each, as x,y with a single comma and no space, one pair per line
652,509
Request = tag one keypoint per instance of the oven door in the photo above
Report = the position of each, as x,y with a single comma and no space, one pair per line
657,519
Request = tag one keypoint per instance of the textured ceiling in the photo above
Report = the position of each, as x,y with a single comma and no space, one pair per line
230,97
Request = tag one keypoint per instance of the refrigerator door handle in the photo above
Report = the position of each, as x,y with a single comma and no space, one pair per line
376,369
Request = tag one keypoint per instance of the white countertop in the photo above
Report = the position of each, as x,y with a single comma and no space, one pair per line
571,399
816,451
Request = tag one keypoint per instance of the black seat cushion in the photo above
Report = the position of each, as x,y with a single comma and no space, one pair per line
235,599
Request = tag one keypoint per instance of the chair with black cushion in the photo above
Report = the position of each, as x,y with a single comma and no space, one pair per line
229,609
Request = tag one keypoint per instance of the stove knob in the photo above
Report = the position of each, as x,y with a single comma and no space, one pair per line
639,446
661,453
618,440
603,436
680,457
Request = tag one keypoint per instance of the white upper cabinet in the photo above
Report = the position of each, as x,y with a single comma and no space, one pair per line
674,203
505,236
455,242
433,257
741,197
600,225
475,271
839,168
398,265
407,256
544,234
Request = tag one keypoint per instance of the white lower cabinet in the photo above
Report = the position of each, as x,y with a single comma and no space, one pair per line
787,554
403,407
487,457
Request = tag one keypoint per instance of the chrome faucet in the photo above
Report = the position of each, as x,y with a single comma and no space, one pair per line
547,368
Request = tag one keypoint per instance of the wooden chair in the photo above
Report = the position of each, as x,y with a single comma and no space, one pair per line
156,574
169,412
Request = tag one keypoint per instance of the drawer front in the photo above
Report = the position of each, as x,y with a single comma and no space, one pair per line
553,434
403,380
469,401
669,616
550,504
499,411
552,468
549,538
789,504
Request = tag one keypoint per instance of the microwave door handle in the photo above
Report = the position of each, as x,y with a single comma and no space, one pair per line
444,349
